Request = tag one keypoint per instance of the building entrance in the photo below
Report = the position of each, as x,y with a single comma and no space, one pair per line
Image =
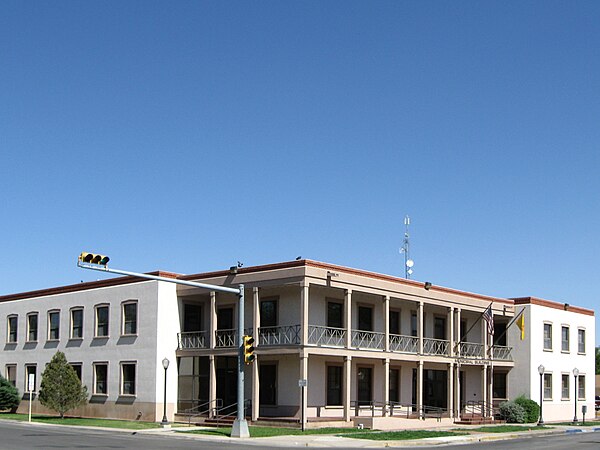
227,373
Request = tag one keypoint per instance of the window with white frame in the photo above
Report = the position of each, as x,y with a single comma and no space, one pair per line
12,325
581,387
101,320
32,327
565,389
581,341
77,323
77,368
564,339
547,336
128,378
11,373
100,378
129,313
547,386
53,325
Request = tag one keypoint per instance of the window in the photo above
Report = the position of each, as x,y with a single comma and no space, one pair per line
499,385
192,317
12,329
413,324
11,373
547,386
581,387
564,387
102,321
77,323
439,328
53,325
564,339
130,318
32,327
335,315
334,385
268,313
547,336
100,379
365,318
30,369
394,390
77,368
581,341
394,322
128,379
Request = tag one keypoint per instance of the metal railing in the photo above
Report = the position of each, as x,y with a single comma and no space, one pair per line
435,346
367,339
397,409
478,408
206,408
326,336
404,344
225,338
191,339
470,350
284,335
502,353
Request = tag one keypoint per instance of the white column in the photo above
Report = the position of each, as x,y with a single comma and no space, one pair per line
347,385
457,393
451,389
386,384
420,389
484,387
255,390
304,313
451,330
348,317
303,391
212,387
420,331
213,320
255,315
386,322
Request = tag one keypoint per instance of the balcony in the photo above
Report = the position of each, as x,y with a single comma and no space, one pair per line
404,344
326,336
284,335
226,338
192,340
437,347
470,350
368,340
502,353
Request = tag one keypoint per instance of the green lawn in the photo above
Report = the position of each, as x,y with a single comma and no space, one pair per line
404,435
108,423
588,423
506,428
275,431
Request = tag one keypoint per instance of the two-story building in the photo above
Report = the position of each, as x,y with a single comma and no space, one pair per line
367,345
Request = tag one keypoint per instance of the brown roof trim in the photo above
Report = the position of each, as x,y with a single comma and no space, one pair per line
553,305
83,286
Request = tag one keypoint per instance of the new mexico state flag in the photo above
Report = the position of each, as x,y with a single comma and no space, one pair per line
521,325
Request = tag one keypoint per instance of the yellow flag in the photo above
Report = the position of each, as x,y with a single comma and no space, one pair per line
521,325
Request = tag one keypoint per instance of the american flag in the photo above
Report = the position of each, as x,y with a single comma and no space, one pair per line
488,316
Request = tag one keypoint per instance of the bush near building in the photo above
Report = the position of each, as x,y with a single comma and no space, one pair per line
61,388
532,409
9,395
512,412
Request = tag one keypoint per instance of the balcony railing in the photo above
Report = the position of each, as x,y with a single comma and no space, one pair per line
502,353
192,339
435,346
404,344
326,336
367,339
470,350
285,335
226,338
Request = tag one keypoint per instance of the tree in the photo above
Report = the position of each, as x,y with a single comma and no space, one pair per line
9,395
61,389
597,360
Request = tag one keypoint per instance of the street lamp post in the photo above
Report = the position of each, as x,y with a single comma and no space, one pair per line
576,375
165,422
541,370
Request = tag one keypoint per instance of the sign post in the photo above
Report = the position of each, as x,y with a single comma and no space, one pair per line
302,383
30,388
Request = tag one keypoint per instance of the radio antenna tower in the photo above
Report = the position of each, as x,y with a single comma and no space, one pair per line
408,263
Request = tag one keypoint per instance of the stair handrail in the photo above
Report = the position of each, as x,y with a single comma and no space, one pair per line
190,412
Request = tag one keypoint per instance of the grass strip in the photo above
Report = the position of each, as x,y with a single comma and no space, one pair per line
403,435
590,423
80,421
256,432
506,429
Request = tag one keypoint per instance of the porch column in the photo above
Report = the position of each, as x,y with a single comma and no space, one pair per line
212,387
255,315
420,333
420,389
347,382
450,389
255,390
303,391
213,320
491,389
484,387
457,393
348,317
386,385
451,331
304,313
386,323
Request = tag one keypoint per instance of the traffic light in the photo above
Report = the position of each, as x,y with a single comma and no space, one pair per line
249,355
93,258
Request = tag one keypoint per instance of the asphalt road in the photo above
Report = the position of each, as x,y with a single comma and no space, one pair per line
24,436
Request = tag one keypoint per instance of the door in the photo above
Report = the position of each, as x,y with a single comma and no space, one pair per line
267,376
365,385
227,373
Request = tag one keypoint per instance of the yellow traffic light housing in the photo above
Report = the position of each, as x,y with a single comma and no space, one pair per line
93,258
249,355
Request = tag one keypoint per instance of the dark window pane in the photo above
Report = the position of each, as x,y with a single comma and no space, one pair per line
101,379
77,323
268,313
395,322
54,326
365,318
32,325
335,317
192,317
334,385
102,321
128,379
268,384
130,318
439,328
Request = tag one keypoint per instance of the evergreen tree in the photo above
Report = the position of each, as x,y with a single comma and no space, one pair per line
9,395
61,389
597,360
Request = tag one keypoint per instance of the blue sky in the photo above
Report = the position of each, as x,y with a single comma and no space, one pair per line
185,136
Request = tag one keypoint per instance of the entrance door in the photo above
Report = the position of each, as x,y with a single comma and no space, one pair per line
435,388
227,374
267,376
365,385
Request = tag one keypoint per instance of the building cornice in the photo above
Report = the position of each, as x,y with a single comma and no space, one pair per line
553,305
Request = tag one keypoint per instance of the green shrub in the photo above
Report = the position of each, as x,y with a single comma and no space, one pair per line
532,409
9,395
61,389
512,412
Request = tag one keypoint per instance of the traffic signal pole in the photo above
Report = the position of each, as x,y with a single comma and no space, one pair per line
240,425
